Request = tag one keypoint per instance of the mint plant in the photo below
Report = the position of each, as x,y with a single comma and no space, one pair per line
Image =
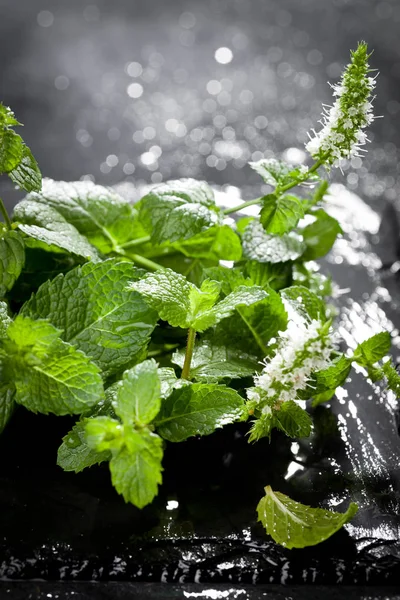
94,291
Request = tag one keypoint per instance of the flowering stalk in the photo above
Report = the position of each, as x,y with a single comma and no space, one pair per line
304,348
342,133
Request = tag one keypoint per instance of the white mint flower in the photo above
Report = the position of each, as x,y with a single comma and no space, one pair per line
342,132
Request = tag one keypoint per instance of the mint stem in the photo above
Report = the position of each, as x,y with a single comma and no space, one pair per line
189,354
4,212
145,262
137,242
287,187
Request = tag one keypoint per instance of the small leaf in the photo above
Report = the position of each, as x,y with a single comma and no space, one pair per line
136,469
168,380
11,150
293,420
104,434
275,276
12,259
138,397
212,363
393,377
74,454
266,248
326,381
320,236
5,319
49,375
197,409
296,525
97,313
178,210
305,302
280,214
7,117
27,174
274,172
373,349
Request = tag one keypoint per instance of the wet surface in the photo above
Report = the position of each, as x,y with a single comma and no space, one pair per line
142,92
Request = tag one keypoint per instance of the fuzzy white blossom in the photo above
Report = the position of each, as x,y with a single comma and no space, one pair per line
343,123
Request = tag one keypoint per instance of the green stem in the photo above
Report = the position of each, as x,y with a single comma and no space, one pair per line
137,242
189,354
287,187
146,262
4,212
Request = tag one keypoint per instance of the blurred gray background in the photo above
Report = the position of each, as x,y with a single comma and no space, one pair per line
148,90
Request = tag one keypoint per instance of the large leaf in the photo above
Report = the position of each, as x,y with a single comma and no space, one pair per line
47,229
97,212
305,302
12,258
178,210
97,313
74,454
296,525
136,469
265,248
320,236
280,214
197,409
212,363
293,420
138,397
267,275
219,242
49,375
375,348
27,174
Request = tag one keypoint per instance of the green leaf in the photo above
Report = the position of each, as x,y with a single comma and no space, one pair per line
293,420
97,313
197,409
253,327
280,214
136,469
138,397
212,363
47,229
275,276
104,434
178,210
7,117
5,319
7,403
216,243
27,174
329,379
184,305
373,349
11,150
97,212
305,302
229,279
274,172
392,376
320,236
168,380
296,525
265,248
12,259
49,375
74,454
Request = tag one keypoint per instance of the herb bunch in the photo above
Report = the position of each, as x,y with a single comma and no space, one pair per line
125,315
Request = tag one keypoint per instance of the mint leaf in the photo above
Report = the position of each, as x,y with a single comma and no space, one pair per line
217,242
265,248
138,397
168,380
320,236
105,433
97,313
275,172
305,302
12,258
136,469
48,230
7,403
184,305
7,117
97,212
329,379
212,363
27,174
229,279
49,375
11,150
293,420
197,409
392,376
275,276
5,319
296,525
280,214
74,454
178,210
373,349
